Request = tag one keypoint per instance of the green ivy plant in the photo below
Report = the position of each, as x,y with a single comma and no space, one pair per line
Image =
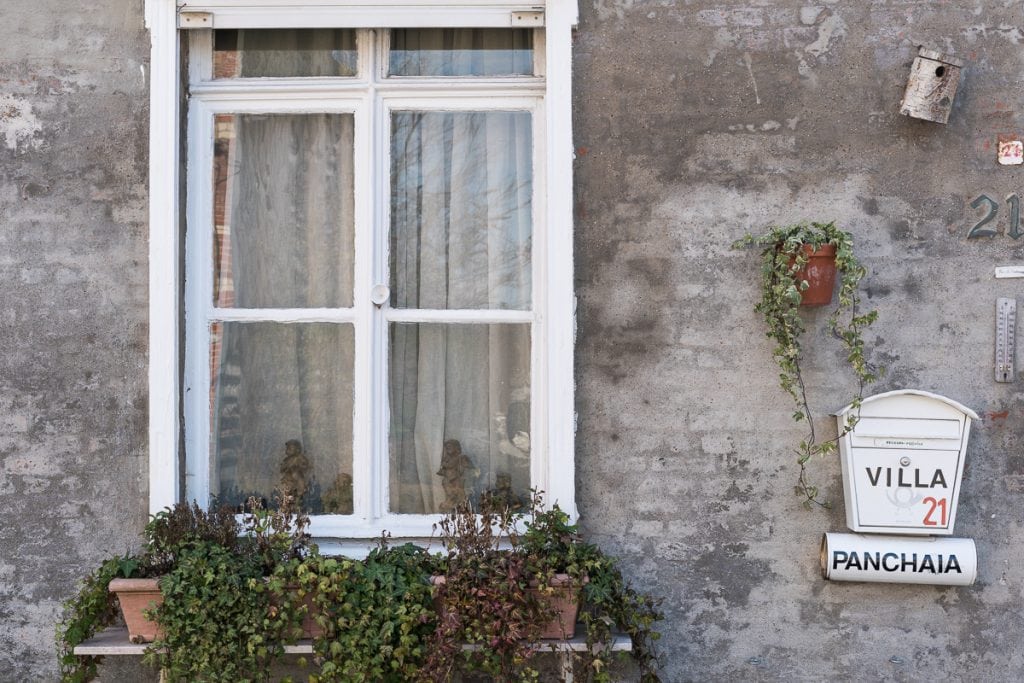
782,259
92,609
553,545
221,619
376,615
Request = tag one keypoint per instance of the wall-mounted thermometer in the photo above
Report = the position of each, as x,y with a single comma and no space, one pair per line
1006,327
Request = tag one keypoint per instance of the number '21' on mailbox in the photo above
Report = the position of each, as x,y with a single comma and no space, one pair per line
903,462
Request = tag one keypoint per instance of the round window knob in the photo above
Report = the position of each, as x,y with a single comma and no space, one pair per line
380,294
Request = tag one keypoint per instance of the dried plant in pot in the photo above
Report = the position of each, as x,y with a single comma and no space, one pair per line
787,253
487,619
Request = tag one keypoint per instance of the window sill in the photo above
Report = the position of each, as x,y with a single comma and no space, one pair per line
114,641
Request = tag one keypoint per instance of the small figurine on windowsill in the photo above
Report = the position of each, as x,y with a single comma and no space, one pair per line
338,499
502,496
455,465
294,470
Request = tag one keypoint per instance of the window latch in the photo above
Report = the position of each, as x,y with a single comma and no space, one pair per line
380,294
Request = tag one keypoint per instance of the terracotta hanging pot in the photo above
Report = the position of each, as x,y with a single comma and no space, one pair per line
820,273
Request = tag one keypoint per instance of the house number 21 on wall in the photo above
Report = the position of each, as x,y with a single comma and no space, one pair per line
991,211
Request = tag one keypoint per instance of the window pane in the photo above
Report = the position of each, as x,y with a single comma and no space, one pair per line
461,52
283,210
461,223
460,415
244,53
281,416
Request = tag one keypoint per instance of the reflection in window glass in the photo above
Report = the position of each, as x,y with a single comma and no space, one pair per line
461,221
461,52
460,415
251,53
281,413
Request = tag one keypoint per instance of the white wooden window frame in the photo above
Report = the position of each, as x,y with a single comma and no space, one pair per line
553,306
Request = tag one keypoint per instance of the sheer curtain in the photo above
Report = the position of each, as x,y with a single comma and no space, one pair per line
248,53
284,240
461,239
461,52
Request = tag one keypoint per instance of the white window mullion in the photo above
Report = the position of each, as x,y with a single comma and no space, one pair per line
198,304
362,428
285,315
540,453
561,308
380,182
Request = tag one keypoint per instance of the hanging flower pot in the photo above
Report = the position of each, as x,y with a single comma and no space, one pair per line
820,274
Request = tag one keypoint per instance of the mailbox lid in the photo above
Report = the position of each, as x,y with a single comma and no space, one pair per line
910,403
908,433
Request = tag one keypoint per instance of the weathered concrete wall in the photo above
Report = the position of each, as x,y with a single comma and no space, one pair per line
696,121
73,459
699,121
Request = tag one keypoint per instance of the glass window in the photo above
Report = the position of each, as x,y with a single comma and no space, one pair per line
281,413
364,307
460,415
283,210
250,53
461,209
461,52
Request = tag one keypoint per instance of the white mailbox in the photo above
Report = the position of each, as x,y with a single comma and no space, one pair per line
903,462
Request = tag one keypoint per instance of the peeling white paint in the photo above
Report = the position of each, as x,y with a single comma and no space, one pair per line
612,8
750,70
19,125
804,69
829,31
809,15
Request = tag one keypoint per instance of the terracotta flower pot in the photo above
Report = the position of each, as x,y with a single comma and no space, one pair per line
137,596
820,273
310,628
564,600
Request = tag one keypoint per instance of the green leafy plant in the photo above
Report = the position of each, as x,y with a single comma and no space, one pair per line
553,545
93,608
220,618
782,258
376,615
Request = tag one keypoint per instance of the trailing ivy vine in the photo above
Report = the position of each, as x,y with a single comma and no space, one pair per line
782,258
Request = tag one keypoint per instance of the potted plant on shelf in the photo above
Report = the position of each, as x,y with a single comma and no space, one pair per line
487,620
210,595
562,562
374,616
785,254
505,577
223,616
128,585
